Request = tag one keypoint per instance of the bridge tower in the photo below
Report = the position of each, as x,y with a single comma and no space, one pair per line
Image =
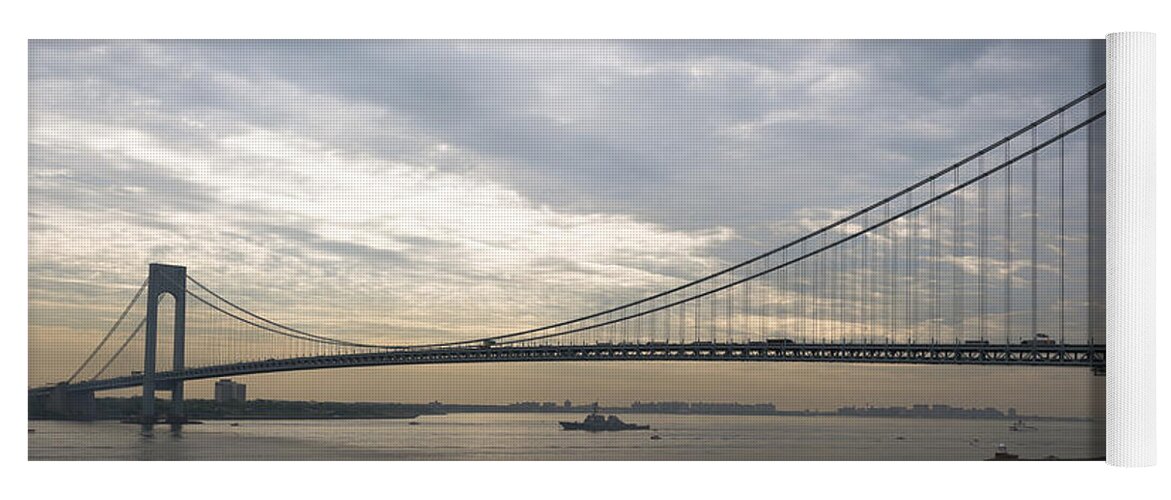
171,280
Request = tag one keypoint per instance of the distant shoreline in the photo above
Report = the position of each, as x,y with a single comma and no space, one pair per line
264,409
782,413
616,411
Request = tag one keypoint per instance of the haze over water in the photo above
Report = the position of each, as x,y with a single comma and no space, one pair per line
536,436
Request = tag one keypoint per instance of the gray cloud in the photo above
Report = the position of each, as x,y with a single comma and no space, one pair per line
311,168
635,127
81,180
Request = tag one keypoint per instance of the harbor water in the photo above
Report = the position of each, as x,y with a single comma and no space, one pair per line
537,436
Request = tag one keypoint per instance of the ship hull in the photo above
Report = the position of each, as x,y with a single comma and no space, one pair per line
579,426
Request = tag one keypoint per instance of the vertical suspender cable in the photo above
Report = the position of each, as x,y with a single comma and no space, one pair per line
1033,241
982,254
1008,263
1061,230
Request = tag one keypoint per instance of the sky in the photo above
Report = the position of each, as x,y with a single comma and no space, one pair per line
412,191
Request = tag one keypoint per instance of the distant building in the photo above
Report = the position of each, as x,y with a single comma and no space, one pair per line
923,411
227,391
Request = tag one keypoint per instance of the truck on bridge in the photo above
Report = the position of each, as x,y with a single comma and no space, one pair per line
1039,339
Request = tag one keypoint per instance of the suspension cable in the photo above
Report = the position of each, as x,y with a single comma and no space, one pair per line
315,338
110,333
912,208
831,245
310,336
120,349
824,230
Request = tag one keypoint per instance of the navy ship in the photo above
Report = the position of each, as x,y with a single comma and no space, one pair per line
597,423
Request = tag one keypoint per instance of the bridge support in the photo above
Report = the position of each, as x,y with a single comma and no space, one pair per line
170,280
72,405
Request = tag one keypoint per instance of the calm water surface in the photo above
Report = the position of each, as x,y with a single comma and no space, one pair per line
536,436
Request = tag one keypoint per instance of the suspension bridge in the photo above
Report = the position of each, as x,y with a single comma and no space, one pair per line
997,259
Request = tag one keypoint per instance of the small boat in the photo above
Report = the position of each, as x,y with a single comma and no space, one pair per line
656,437
30,431
234,424
412,423
1021,426
1003,454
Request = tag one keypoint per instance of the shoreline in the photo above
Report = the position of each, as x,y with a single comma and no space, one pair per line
601,410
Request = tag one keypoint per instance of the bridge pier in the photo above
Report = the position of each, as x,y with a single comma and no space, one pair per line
170,280
72,405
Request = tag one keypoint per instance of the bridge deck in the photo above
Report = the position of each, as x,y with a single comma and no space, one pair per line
1092,356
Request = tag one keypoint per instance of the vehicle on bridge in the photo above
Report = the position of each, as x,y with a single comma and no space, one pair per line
1039,339
783,341
659,344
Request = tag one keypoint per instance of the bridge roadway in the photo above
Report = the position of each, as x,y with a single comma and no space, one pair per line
1091,356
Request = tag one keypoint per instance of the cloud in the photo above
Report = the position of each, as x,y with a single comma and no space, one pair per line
417,190
281,219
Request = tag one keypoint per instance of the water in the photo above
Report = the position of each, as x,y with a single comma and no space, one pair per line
536,436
